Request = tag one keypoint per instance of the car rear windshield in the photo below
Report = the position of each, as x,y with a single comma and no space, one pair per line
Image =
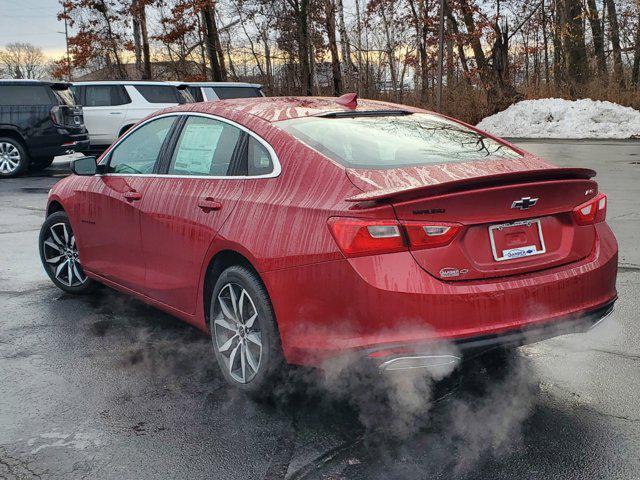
160,94
388,141
25,95
237,92
65,97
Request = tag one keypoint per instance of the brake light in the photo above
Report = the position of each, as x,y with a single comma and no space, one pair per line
357,237
57,117
592,211
431,235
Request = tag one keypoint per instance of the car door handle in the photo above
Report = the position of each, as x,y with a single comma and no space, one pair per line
115,113
207,204
132,195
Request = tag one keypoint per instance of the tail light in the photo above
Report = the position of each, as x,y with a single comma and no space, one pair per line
57,116
431,235
357,237
592,211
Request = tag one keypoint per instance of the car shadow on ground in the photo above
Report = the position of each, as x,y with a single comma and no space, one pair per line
475,422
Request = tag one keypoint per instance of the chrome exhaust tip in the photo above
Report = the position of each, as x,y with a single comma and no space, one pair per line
419,361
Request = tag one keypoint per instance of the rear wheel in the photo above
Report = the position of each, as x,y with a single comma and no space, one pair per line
245,337
59,255
13,157
41,164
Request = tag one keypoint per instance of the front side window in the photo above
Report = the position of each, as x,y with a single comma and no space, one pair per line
389,141
205,147
104,95
139,151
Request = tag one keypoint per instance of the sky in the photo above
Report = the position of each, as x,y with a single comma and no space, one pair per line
33,21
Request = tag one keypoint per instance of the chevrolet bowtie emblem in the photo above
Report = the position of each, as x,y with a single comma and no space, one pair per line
524,203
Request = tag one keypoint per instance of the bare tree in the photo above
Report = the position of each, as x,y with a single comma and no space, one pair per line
23,60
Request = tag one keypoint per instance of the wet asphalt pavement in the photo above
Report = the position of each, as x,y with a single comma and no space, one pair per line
105,387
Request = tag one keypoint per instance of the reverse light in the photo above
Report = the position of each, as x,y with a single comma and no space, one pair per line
357,237
592,211
431,235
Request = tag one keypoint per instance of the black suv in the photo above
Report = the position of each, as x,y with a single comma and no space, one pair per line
38,120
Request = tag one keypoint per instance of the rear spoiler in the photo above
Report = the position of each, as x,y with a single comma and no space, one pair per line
421,191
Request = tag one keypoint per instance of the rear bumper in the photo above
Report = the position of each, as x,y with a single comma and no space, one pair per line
59,144
377,303
403,357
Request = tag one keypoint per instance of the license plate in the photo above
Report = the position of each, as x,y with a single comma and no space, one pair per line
510,241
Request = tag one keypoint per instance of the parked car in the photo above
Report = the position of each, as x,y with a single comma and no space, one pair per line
297,230
38,120
112,107
212,91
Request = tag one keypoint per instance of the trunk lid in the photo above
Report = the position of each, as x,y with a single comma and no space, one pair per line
513,221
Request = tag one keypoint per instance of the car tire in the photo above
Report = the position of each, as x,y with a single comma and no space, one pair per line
59,255
41,164
14,158
244,333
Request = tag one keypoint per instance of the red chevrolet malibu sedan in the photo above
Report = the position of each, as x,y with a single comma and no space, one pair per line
297,230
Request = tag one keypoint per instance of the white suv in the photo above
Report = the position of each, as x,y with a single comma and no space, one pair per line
112,107
212,91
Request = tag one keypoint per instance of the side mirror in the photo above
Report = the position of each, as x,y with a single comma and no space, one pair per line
84,166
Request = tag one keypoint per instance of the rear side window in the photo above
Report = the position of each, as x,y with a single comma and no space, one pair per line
379,142
102,95
139,151
160,93
25,95
196,93
259,159
205,147
236,92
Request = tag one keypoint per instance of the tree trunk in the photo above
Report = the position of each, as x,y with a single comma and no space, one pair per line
211,33
635,72
420,25
615,41
217,44
545,42
301,11
345,46
330,23
146,54
575,47
598,36
453,23
136,36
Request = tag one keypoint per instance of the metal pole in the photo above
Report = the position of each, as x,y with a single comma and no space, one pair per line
66,38
440,57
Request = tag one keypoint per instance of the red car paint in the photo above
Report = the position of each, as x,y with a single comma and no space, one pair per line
152,238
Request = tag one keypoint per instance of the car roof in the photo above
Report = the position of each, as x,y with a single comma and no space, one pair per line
220,84
275,109
30,81
127,82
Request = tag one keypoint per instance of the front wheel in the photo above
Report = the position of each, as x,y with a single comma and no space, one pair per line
243,328
59,255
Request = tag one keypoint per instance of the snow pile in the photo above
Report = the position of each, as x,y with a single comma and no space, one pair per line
558,118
